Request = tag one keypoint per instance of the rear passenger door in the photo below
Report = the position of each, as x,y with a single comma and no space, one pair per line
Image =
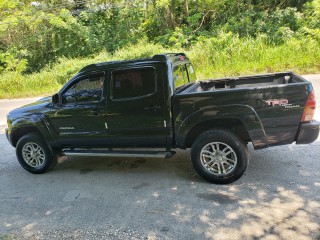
135,108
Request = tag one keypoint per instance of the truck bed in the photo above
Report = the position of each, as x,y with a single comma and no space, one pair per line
255,81
275,100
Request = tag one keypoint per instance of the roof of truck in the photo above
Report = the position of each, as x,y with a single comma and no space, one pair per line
174,57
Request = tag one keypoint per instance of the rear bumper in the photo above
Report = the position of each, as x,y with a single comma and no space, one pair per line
308,132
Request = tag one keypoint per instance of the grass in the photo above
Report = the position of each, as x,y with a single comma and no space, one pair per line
232,56
225,55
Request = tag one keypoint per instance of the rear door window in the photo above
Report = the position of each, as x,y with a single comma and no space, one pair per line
133,83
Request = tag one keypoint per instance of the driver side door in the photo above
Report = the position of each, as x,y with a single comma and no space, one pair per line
80,119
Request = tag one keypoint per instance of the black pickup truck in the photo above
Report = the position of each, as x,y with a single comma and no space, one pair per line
147,107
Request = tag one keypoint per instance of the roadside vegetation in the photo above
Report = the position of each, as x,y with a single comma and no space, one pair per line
44,43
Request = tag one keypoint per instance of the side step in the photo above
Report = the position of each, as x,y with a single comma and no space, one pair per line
117,153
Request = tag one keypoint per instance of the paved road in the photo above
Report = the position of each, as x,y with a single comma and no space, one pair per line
6,105
94,198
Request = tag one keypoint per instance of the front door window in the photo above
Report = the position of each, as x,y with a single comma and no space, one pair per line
88,89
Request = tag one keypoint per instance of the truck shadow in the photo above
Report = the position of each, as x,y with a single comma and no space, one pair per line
178,166
274,199
283,163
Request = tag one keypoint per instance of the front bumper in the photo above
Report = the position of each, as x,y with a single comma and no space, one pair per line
308,132
7,134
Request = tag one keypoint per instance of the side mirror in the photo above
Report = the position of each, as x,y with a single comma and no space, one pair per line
55,98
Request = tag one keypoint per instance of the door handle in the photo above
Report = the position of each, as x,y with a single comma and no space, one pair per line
152,108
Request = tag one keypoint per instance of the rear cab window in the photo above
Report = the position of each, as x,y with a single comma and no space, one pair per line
183,74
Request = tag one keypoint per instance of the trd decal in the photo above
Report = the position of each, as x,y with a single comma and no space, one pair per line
275,102
280,102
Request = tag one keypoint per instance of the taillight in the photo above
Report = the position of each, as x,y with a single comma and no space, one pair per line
309,109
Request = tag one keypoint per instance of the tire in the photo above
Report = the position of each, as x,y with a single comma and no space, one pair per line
34,155
219,156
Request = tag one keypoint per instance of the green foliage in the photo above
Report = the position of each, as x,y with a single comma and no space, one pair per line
9,62
229,55
140,50
48,41
177,38
278,25
312,14
113,29
34,34
311,23
224,55
39,38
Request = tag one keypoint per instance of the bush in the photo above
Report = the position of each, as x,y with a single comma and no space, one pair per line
224,55
141,50
312,14
229,55
278,25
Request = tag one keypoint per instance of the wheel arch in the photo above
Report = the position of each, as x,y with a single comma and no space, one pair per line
22,131
31,124
233,125
240,119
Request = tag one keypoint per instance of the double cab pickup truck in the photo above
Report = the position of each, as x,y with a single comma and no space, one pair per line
149,107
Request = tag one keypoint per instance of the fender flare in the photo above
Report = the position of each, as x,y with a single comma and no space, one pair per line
38,122
244,113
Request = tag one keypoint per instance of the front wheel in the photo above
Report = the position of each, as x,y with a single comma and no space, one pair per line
34,155
219,156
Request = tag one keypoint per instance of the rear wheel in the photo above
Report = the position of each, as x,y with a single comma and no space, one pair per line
34,154
219,156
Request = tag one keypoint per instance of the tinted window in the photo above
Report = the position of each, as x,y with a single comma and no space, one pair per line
88,89
131,83
191,73
183,74
180,76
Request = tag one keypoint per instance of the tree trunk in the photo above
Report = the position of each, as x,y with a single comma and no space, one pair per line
170,15
186,7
